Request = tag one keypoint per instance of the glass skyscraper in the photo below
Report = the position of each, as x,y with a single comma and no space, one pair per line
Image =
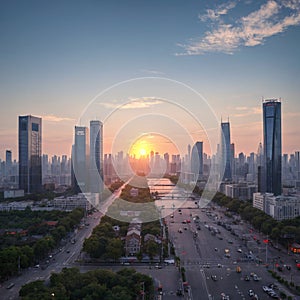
272,145
226,156
197,160
79,162
96,156
30,150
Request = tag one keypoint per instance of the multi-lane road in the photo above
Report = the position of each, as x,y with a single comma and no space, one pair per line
209,272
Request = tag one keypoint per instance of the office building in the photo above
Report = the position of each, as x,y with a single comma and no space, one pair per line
8,164
226,152
96,156
79,160
30,149
197,160
272,145
282,207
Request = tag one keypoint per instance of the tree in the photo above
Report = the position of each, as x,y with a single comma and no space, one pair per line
151,248
114,249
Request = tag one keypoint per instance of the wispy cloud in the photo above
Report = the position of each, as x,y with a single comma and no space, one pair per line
53,118
251,30
134,103
215,14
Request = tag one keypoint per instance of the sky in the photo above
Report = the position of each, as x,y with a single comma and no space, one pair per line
170,69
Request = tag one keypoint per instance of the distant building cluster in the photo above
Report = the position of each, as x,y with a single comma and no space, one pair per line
260,176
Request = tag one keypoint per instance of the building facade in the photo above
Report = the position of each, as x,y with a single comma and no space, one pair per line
79,160
30,151
281,207
226,156
96,156
272,146
197,160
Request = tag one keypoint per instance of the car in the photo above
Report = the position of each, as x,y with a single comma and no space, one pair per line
239,250
180,230
37,266
68,251
273,294
255,277
214,277
273,286
246,278
288,267
198,228
266,288
185,228
172,216
230,241
216,249
219,265
179,292
11,285
224,297
280,269
251,293
183,222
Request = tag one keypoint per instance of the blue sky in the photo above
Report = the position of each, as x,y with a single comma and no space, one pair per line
55,56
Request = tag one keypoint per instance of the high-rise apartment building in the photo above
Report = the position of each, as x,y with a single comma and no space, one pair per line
79,159
30,150
226,152
96,156
272,145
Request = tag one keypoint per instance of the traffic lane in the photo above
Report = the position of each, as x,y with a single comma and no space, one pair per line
187,250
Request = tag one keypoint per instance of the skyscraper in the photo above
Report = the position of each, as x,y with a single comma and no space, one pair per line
8,164
226,156
197,160
272,145
96,156
30,150
79,162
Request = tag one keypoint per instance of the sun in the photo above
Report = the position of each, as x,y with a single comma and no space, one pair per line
139,149
142,152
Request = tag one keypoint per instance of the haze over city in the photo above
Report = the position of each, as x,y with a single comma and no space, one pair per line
56,58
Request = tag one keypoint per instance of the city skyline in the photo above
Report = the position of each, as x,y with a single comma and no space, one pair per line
56,59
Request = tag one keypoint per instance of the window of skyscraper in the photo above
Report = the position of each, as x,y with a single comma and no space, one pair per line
35,127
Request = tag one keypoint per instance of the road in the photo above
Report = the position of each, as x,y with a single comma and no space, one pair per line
204,258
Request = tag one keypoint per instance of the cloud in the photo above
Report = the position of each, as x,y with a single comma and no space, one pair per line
52,118
248,31
134,103
214,14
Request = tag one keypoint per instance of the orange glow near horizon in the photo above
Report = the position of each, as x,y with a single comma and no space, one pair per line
143,146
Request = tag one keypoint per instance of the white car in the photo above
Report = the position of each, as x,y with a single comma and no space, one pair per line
266,288
251,293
